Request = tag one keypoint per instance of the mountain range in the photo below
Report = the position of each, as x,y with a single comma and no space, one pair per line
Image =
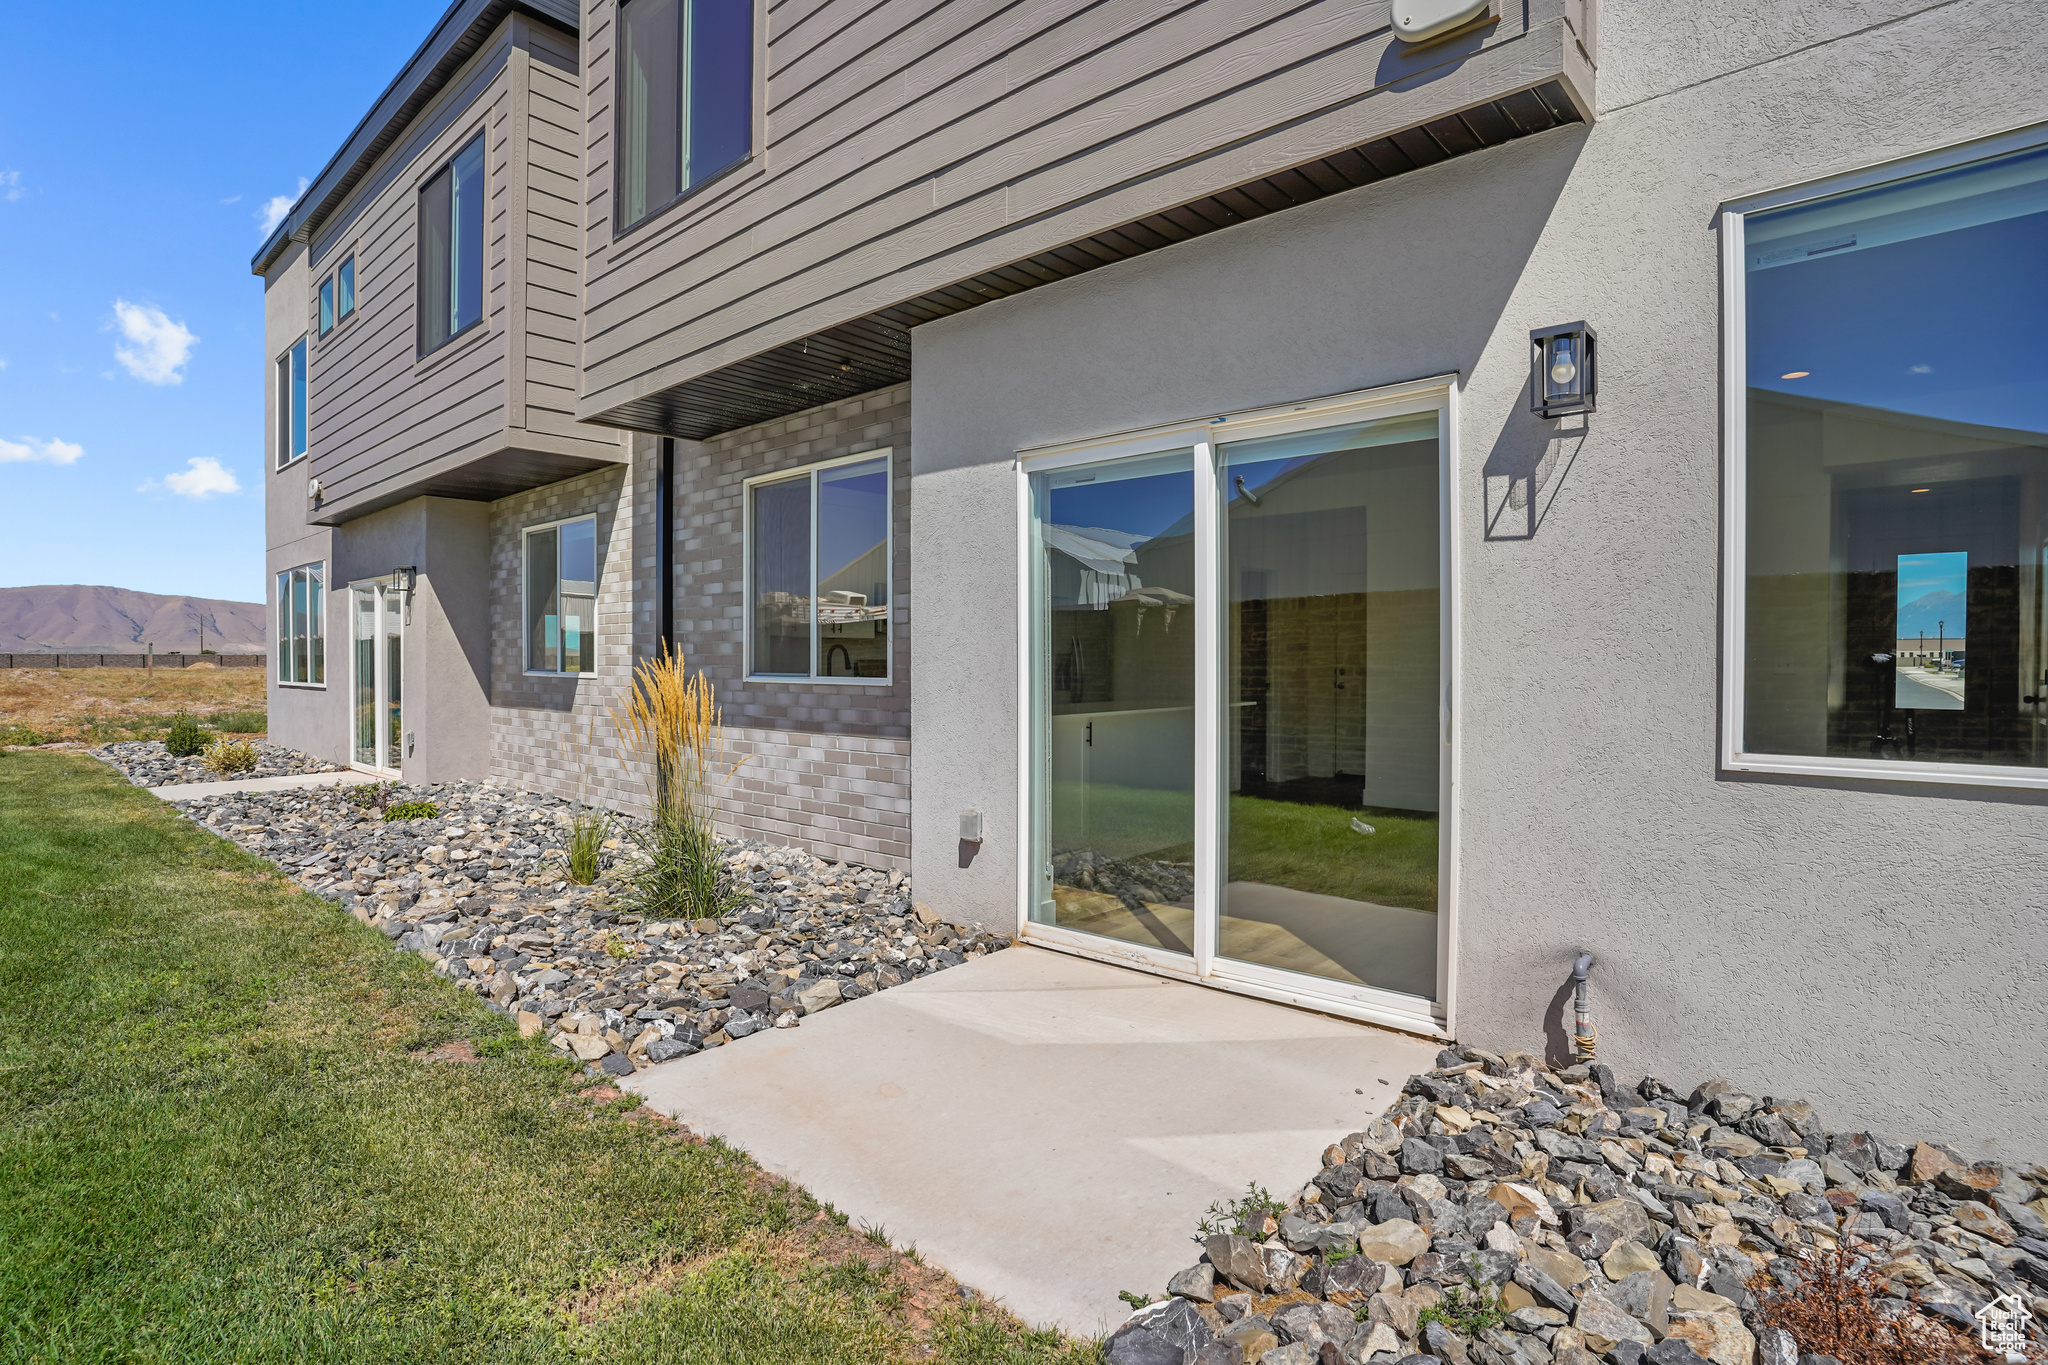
1928,613
89,619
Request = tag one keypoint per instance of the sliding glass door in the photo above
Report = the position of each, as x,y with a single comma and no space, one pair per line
1116,587
1237,737
377,687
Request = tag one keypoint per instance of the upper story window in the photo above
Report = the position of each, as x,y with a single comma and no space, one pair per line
561,597
291,404
1891,580
819,570
452,248
684,98
338,296
301,626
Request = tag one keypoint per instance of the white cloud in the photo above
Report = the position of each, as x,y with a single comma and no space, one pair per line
52,451
274,209
204,477
11,187
160,347
232,199
1921,369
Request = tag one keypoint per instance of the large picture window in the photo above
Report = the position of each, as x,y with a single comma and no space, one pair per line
1893,491
818,561
685,97
301,626
561,597
291,404
452,248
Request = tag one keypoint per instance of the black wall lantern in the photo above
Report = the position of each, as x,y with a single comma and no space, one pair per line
1561,377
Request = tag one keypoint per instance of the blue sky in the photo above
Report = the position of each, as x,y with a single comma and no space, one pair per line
139,147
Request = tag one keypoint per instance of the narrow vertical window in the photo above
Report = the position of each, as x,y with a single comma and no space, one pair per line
291,404
451,270
301,625
685,97
345,289
327,305
561,598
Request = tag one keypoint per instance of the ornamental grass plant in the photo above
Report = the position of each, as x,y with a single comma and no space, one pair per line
669,723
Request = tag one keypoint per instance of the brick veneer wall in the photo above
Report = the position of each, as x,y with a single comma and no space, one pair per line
552,734
824,768
827,767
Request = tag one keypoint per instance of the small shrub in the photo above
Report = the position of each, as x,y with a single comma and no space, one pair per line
588,829
1466,1314
683,875
186,737
1136,1301
1835,1312
21,734
411,810
225,756
617,947
1244,1217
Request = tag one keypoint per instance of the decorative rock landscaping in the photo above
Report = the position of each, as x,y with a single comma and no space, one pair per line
481,891
146,763
1504,1214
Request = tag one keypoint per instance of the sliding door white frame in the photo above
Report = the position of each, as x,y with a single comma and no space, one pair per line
1435,1018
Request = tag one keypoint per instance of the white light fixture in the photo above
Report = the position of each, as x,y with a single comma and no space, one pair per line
1561,370
315,490
1417,21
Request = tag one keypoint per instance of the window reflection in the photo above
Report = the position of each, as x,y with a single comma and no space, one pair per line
1897,469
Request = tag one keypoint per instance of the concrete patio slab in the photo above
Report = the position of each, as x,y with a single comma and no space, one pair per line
1047,1128
188,791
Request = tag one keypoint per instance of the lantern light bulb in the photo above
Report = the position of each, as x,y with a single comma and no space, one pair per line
1563,372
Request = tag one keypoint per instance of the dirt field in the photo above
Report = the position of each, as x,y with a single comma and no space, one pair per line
100,705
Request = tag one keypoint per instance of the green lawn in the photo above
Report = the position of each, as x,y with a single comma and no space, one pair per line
217,1143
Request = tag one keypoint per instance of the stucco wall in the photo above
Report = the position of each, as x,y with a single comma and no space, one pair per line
1775,930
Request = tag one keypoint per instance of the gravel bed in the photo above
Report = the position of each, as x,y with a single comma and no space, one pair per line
146,763
1602,1224
481,892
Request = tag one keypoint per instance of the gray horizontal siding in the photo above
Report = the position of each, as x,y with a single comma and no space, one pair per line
384,420
911,144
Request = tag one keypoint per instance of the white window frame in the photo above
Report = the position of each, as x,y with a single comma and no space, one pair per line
1735,475
286,457
1206,966
525,649
283,638
812,471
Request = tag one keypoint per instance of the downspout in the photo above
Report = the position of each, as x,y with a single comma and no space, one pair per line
1587,1038
664,548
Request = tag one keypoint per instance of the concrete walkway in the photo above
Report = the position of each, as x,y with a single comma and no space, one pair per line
188,791
1047,1128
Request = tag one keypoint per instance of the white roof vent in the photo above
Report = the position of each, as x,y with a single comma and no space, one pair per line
1418,20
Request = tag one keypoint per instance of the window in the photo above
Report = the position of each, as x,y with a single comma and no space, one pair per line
561,598
452,248
301,629
291,404
685,98
1891,577
338,296
819,571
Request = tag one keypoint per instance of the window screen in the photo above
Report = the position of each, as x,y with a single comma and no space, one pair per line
345,289
291,404
818,547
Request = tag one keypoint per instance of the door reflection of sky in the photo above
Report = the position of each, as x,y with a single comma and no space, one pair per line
1145,506
1947,326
